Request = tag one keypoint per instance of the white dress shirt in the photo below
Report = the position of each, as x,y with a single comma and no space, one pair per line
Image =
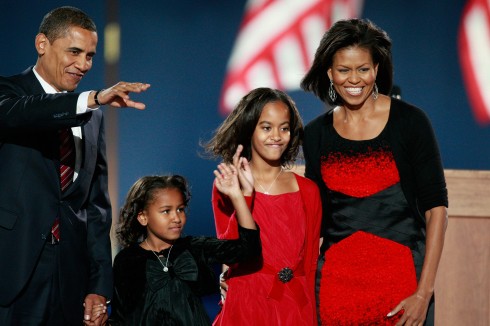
82,107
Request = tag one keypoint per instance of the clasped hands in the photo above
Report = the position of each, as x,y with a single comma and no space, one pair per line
95,310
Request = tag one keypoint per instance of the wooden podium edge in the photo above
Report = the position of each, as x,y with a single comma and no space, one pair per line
469,193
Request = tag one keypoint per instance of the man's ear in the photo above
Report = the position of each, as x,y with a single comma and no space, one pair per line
142,218
41,42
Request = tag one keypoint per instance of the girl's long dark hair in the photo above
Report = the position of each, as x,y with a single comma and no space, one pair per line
239,127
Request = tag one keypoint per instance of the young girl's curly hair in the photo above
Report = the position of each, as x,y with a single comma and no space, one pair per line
140,195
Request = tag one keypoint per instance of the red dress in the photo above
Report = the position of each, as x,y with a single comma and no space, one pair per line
289,229
368,268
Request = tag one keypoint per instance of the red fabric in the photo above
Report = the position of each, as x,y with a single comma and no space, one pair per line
55,229
293,285
364,277
290,230
360,175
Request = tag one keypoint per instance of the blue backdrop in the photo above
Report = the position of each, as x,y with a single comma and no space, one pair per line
182,47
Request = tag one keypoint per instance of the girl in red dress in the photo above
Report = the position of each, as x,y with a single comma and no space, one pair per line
261,137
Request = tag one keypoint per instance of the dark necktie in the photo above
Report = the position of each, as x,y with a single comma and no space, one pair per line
67,158
67,168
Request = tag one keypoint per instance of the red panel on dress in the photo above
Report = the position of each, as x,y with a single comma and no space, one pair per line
364,277
361,174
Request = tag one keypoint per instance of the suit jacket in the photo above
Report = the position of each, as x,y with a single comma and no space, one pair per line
30,195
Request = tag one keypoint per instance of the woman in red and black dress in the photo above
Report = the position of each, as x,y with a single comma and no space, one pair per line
377,163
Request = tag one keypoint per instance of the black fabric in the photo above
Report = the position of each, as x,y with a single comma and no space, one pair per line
146,295
415,150
30,196
385,214
395,213
39,302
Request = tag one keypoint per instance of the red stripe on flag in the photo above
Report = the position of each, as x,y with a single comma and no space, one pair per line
254,8
471,69
292,20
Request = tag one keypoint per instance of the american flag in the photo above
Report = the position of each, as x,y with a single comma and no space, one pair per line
474,54
276,44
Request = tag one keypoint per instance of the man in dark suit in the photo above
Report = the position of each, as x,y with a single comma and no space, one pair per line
55,252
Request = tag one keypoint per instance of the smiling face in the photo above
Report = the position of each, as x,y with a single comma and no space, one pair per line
65,61
164,217
353,74
272,133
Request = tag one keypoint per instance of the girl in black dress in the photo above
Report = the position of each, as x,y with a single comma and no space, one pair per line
159,276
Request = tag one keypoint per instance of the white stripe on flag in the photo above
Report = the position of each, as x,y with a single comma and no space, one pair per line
265,27
474,51
277,42
477,30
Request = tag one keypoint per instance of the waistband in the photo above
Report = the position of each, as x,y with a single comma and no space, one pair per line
286,277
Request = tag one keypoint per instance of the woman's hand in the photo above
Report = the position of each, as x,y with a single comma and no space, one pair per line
244,172
415,307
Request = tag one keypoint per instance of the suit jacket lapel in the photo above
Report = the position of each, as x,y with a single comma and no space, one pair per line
31,85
